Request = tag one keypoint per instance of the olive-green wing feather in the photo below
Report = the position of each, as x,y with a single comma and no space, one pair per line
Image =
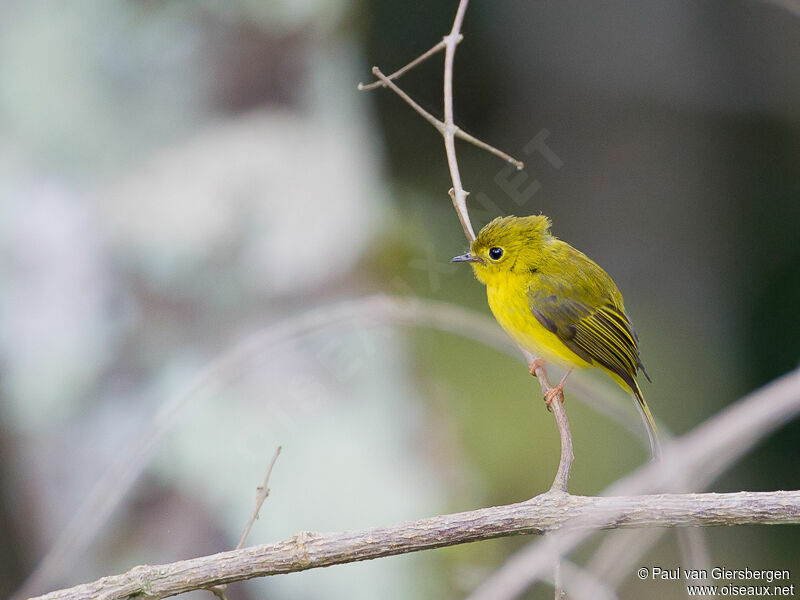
600,335
584,309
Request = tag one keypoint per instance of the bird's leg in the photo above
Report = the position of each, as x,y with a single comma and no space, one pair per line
556,390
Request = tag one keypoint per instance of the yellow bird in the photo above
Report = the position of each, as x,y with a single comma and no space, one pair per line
558,304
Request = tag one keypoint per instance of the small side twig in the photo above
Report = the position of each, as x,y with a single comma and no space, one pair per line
441,126
362,87
263,492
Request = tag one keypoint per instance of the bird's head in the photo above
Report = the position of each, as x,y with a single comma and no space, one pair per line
507,246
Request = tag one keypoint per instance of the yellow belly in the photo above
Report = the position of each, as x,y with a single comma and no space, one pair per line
509,304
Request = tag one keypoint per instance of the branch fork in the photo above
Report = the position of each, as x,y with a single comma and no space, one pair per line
446,127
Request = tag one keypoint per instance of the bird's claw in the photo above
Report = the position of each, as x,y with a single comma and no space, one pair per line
536,363
552,394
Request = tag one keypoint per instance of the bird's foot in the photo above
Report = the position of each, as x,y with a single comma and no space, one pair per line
552,394
537,363
556,391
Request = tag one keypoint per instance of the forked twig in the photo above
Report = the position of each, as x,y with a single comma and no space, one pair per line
442,126
447,127
362,87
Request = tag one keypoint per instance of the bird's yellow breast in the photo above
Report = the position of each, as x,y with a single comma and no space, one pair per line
508,298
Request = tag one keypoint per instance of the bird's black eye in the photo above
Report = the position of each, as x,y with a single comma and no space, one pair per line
495,253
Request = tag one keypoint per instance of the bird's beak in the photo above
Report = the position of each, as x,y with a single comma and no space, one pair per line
466,257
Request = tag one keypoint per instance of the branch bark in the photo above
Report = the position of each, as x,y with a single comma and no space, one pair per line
557,406
553,511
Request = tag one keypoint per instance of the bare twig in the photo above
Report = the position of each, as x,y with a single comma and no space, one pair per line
409,100
459,195
447,127
441,126
400,72
557,405
544,514
263,492
567,455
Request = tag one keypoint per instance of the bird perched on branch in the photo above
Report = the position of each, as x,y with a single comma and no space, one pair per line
557,304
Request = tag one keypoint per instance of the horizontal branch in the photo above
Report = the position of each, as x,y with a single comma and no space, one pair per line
543,514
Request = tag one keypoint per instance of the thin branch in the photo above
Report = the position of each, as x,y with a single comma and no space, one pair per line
441,126
400,72
409,100
557,406
543,514
567,455
459,195
461,134
447,127
263,492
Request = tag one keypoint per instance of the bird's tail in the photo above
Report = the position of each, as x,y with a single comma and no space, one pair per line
649,421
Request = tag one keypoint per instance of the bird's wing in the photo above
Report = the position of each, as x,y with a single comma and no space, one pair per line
589,321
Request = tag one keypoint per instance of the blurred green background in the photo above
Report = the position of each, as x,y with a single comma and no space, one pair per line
176,175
